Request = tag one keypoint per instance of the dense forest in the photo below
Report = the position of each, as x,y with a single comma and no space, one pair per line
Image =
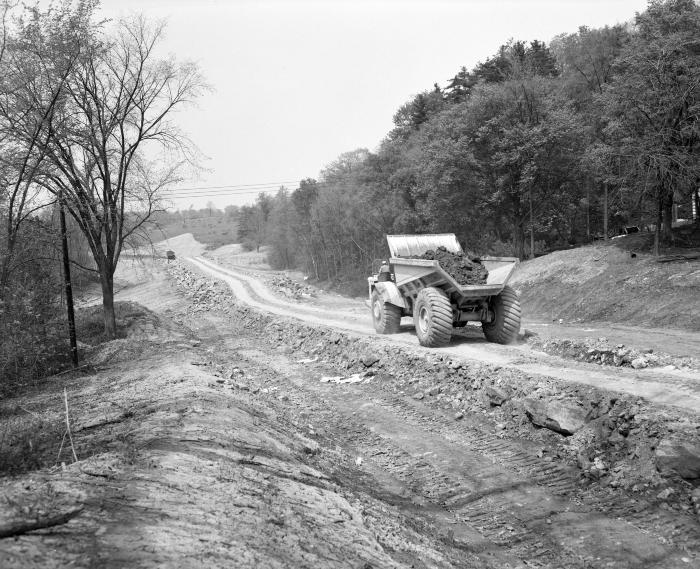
538,147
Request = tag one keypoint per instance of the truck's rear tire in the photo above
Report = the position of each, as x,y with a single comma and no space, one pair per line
386,316
432,315
506,322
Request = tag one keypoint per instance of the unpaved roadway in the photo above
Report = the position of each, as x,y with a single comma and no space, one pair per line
670,387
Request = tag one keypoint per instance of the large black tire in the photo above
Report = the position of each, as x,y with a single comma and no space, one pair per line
432,315
386,316
506,323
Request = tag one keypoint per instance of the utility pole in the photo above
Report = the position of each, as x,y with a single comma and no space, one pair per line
67,283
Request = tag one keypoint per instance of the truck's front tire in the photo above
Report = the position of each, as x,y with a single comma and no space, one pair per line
506,322
386,316
432,315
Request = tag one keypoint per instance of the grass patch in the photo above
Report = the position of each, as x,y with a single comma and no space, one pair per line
90,327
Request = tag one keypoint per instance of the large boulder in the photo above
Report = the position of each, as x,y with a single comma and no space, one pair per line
681,457
565,417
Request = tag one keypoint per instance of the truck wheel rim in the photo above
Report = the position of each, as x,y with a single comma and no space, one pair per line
423,320
377,310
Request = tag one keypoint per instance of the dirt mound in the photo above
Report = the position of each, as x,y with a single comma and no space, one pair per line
606,283
464,270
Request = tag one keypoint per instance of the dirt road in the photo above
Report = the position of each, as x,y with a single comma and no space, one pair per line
670,387
219,436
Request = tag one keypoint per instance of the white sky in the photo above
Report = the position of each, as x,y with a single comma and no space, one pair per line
296,83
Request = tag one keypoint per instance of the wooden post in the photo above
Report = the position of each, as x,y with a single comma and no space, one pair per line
67,284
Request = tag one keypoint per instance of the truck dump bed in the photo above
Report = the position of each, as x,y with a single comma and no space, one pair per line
413,274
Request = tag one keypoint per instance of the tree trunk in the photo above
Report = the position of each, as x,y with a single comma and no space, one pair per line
519,239
532,228
659,221
667,208
588,212
605,211
107,281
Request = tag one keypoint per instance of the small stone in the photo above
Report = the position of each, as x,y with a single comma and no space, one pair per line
695,495
418,395
665,494
639,363
459,415
434,390
368,360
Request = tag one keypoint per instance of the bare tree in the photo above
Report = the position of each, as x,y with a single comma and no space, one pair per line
29,96
110,129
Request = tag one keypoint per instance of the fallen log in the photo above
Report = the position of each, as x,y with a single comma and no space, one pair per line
20,528
678,257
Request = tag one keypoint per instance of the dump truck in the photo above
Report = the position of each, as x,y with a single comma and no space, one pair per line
407,285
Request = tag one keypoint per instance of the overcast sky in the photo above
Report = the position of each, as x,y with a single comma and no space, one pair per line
296,83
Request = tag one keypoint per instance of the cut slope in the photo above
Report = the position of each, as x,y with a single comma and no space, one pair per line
605,282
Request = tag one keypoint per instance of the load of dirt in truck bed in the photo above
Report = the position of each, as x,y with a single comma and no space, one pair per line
462,268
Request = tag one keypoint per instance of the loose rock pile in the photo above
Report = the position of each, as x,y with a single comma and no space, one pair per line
205,294
465,270
600,351
290,288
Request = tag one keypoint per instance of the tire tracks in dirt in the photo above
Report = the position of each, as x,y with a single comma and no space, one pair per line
464,481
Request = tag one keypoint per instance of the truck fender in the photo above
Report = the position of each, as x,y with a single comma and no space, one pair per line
390,293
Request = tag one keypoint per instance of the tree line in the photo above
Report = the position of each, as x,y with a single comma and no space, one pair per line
538,146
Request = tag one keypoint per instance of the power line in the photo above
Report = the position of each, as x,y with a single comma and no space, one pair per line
222,194
237,186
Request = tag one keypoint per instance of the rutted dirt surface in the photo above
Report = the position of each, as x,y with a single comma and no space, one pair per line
220,435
